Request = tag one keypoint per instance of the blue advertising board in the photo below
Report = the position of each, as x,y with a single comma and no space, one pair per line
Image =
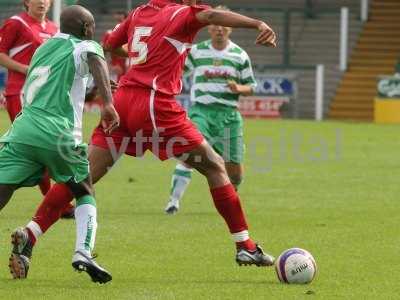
3,75
269,85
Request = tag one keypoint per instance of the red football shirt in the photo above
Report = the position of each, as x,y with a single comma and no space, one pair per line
20,36
159,36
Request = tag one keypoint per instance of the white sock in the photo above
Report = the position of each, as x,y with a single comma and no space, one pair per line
241,236
180,181
86,224
35,229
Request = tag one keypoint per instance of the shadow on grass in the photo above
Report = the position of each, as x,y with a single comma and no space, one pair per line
170,282
162,213
120,282
234,281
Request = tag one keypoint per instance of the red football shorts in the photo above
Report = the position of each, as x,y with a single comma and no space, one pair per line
149,121
13,106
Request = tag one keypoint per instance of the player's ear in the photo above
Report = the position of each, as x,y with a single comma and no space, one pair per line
85,29
26,2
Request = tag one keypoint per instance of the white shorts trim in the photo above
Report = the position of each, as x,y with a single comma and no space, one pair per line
152,113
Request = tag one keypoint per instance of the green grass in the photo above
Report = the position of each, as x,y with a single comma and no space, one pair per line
331,188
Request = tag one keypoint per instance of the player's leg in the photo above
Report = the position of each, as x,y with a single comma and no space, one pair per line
73,170
18,168
234,160
181,139
233,156
101,160
231,150
211,165
235,173
68,211
60,196
6,192
230,143
180,181
86,226
183,173
54,203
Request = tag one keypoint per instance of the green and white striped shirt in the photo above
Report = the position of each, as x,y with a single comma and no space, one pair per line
212,69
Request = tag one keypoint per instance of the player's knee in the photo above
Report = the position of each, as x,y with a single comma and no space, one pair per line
215,166
80,189
236,180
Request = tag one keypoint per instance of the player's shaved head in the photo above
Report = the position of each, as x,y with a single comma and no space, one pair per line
78,21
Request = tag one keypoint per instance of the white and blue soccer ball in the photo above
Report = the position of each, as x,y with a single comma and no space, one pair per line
296,265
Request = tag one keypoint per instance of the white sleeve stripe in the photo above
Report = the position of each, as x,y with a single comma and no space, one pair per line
14,51
177,12
18,18
137,9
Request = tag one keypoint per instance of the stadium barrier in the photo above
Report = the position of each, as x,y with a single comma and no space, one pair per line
272,93
387,102
344,38
364,10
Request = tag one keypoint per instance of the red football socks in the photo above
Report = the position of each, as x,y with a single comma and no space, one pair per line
247,244
227,202
53,205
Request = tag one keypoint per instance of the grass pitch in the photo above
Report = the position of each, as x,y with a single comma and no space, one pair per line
331,188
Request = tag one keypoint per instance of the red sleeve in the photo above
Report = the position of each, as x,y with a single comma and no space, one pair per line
105,37
119,36
54,28
9,35
192,23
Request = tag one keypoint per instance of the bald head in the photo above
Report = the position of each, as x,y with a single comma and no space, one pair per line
78,21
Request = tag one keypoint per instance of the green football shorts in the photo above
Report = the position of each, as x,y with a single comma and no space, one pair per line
222,126
24,165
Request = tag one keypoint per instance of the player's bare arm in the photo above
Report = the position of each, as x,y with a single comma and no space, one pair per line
242,89
11,64
121,51
266,35
98,68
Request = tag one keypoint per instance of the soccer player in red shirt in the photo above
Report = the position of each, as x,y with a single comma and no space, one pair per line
159,35
20,36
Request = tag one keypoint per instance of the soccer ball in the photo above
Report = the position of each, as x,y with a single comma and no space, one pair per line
296,265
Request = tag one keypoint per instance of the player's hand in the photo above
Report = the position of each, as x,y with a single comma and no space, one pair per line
267,36
114,86
24,69
234,87
117,70
109,118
